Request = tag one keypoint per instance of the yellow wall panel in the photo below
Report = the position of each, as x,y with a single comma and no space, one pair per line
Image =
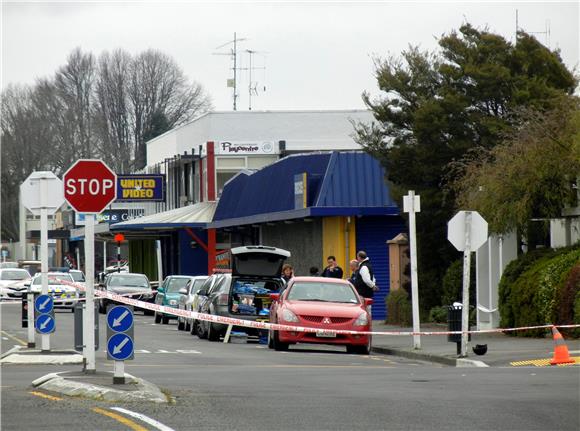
336,241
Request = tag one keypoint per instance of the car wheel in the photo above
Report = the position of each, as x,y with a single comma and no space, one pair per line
187,326
148,312
180,324
278,345
165,319
212,334
157,318
200,330
102,308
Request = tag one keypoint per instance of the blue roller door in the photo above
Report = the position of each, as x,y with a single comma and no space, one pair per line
372,234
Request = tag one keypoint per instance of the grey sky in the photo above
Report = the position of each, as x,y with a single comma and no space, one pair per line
318,54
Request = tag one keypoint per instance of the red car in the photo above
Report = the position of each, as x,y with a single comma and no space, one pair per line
327,304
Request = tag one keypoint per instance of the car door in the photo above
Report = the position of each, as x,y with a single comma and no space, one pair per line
161,294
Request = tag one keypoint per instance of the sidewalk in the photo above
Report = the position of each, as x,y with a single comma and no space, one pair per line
501,349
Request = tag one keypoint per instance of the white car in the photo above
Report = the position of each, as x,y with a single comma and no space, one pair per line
12,282
187,296
60,286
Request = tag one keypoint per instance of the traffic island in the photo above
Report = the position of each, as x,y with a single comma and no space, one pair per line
24,356
99,386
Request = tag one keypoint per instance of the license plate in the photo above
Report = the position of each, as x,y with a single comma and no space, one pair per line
325,334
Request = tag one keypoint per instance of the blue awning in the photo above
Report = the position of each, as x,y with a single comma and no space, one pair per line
338,184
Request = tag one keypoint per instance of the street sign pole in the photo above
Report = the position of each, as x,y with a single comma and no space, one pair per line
412,205
466,282
89,323
45,338
119,373
30,313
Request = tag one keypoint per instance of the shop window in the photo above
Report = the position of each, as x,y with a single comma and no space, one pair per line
222,178
260,162
231,162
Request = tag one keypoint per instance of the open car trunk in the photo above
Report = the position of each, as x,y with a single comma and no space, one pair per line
257,261
250,298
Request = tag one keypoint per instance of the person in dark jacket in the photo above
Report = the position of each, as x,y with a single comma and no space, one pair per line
353,271
332,270
365,281
287,273
314,272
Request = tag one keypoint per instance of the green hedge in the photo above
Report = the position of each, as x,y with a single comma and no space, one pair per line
534,289
453,283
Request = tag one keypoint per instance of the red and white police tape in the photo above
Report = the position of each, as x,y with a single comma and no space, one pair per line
123,299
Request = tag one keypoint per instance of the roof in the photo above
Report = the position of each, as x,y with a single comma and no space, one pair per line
338,184
193,216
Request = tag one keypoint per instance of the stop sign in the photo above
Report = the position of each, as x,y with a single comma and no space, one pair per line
89,186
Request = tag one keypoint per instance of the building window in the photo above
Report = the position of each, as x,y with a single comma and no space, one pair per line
222,178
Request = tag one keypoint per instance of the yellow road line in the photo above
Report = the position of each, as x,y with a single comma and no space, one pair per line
128,422
18,340
542,362
43,395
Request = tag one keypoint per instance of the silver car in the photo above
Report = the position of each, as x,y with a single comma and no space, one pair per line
12,282
187,297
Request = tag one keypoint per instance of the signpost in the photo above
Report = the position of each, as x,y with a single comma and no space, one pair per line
412,205
119,238
467,231
120,345
89,187
42,194
44,308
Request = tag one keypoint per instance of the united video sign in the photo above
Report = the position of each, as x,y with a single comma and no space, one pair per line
139,188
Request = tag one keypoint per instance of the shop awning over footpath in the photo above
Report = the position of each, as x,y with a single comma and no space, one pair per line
306,185
191,216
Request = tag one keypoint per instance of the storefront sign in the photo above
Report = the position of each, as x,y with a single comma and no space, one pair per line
300,191
246,148
147,187
112,216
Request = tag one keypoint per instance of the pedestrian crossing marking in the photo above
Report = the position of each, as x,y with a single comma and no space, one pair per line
542,362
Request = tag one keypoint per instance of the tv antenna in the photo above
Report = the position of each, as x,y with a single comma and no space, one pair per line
233,54
253,86
546,31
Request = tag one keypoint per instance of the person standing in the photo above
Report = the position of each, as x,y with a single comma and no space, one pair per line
287,273
365,281
332,270
353,271
314,271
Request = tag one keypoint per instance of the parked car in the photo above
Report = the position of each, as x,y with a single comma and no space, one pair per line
60,286
32,266
325,304
12,282
187,297
207,290
133,285
8,265
245,292
168,295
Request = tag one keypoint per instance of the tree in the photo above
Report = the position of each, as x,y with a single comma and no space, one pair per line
160,95
436,106
529,175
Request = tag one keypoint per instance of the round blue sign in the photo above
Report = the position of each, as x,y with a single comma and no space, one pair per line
120,347
45,323
119,318
43,304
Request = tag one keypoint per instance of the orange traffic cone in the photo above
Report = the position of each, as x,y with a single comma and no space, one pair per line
561,355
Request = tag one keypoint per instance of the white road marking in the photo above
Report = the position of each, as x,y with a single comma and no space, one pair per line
142,351
5,338
144,418
195,352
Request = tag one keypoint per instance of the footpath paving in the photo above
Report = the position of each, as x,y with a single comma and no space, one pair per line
502,350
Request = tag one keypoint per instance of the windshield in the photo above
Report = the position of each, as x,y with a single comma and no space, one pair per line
77,275
324,292
54,279
14,274
197,285
175,284
125,280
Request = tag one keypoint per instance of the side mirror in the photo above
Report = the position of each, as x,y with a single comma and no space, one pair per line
27,284
183,291
161,290
275,296
368,301
202,292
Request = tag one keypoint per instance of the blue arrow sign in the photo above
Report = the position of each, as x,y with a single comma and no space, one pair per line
120,318
120,347
43,304
45,323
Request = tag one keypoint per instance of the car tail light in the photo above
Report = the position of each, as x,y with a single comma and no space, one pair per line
223,299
